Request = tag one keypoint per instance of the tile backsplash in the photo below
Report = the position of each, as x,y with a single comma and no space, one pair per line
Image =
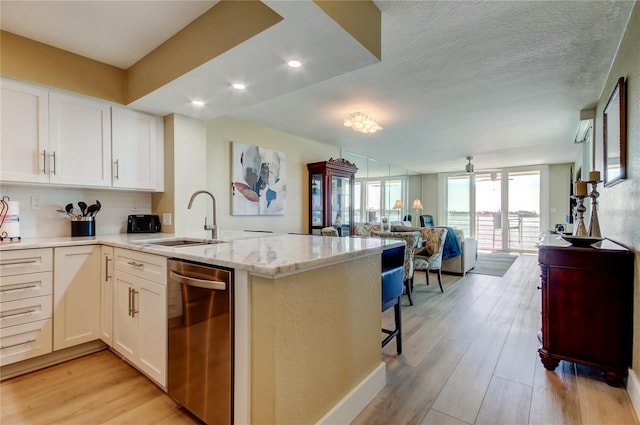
38,205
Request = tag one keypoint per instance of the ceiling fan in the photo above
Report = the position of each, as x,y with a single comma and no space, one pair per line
469,167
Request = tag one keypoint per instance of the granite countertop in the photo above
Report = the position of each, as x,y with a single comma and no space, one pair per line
265,254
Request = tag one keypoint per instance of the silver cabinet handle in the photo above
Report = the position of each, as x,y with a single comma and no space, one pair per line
130,301
106,269
116,174
134,264
54,163
133,302
199,283
21,313
21,288
44,161
15,345
16,263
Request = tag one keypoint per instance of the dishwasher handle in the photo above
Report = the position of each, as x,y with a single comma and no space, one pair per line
199,283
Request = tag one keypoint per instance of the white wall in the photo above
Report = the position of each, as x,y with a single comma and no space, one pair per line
619,205
299,151
46,222
190,175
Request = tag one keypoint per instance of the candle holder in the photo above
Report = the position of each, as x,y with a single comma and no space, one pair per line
580,229
594,224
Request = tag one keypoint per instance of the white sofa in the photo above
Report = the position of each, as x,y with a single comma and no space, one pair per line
465,262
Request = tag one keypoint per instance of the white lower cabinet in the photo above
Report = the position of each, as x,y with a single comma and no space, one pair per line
76,314
106,295
140,312
25,304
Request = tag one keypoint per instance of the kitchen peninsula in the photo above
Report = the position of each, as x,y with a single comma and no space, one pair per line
306,318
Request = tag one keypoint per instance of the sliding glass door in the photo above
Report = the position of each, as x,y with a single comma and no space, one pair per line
500,208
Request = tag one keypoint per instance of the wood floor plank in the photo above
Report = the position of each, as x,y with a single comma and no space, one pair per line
410,391
601,403
517,361
462,395
505,403
555,398
438,418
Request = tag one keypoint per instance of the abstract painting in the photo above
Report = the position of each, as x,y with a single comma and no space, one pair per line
258,180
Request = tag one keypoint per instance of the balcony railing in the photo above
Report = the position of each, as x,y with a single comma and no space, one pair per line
522,232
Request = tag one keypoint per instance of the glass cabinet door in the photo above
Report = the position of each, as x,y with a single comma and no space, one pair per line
340,203
316,201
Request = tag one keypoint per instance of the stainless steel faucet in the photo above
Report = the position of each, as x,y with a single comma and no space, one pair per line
213,227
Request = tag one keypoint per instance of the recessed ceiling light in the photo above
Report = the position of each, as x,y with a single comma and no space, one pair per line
294,63
197,102
238,86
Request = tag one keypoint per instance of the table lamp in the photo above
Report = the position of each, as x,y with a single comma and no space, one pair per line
398,206
417,205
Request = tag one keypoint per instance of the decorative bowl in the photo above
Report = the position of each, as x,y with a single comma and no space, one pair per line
581,241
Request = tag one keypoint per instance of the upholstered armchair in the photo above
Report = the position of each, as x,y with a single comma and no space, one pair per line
411,239
429,257
427,221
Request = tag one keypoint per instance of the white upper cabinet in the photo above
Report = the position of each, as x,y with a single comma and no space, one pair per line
137,149
80,140
24,133
50,137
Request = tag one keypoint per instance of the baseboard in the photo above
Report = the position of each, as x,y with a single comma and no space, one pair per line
349,407
633,389
60,356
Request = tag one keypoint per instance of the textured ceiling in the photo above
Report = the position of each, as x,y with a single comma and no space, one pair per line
503,81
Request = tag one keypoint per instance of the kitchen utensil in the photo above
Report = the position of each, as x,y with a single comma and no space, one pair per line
99,207
67,213
91,210
68,208
83,207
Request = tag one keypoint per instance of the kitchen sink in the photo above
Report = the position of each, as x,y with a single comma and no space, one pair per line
181,242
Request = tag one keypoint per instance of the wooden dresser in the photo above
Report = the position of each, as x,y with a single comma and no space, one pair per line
587,306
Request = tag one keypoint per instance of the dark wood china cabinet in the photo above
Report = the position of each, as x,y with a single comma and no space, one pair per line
587,306
331,195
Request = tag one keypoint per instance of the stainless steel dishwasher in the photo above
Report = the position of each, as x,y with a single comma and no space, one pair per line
200,338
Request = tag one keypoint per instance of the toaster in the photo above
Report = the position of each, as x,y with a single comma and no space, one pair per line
143,223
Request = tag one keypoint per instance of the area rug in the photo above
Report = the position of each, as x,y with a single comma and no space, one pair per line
494,264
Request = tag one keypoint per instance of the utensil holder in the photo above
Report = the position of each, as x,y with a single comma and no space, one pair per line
83,226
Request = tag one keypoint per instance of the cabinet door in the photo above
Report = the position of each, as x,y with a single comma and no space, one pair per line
106,295
125,325
150,300
137,145
76,283
24,133
80,140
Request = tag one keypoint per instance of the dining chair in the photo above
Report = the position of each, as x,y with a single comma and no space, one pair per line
391,284
429,256
411,240
329,231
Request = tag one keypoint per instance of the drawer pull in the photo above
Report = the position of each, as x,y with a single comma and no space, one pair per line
29,311
44,162
130,289
15,345
106,269
21,288
16,263
134,264
133,302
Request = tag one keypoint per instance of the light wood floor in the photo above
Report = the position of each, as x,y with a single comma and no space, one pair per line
469,358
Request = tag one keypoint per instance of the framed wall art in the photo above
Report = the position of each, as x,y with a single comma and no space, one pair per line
258,180
614,125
